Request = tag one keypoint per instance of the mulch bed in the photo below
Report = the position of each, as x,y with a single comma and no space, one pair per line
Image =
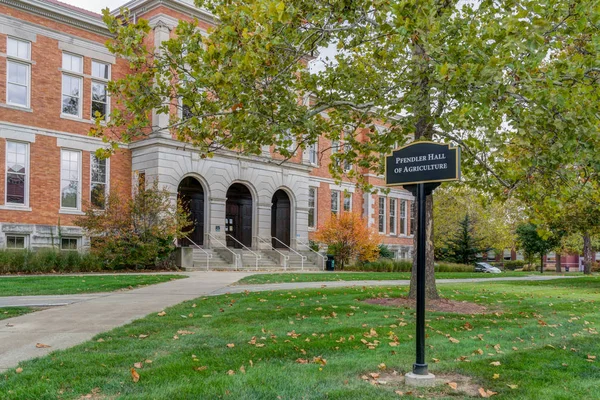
440,305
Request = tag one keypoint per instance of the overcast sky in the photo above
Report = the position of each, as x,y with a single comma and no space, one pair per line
96,5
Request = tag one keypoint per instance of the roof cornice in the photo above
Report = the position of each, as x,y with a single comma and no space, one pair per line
61,14
143,6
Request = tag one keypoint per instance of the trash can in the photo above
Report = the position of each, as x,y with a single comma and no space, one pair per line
330,263
567,268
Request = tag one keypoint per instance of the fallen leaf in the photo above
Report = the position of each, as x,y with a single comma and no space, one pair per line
138,365
230,345
242,369
496,376
399,393
374,375
591,357
319,360
207,316
19,370
435,360
100,340
202,368
512,386
161,314
382,366
453,340
495,363
453,385
148,361
486,393
134,375
301,361
231,372
142,336
45,346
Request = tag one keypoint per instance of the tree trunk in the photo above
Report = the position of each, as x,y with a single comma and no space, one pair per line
430,288
542,263
587,254
558,263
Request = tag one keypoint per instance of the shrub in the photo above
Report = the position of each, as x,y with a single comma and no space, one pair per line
383,265
314,245
451,267
47,261
136,233
514,264
385,252
349,238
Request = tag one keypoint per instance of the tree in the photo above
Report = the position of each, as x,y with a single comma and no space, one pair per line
349,238
495,77
463,247
138,232
532,243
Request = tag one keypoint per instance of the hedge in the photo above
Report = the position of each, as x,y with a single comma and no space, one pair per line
384,265
48,261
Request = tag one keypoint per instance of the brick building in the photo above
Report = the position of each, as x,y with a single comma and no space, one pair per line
53,72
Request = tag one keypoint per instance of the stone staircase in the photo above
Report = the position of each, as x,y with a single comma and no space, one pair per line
223,260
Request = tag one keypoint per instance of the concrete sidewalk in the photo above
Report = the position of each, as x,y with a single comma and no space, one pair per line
84,316
89,315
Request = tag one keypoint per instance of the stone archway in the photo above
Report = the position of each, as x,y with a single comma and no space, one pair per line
191,194
238,215
281,219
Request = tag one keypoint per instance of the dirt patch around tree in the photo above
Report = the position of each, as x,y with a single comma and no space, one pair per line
445,385
440,305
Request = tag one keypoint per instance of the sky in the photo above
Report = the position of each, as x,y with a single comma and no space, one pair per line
96,5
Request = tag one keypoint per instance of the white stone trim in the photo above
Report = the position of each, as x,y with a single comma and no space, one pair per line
10,134
89,50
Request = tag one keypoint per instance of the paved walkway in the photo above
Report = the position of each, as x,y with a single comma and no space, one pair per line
88,315
81,317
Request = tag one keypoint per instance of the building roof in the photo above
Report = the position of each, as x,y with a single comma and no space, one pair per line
74,8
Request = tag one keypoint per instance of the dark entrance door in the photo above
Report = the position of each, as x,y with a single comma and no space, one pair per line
191,195
280,219
238,215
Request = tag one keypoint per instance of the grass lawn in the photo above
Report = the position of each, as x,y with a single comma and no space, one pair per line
10,312
50,285
316,344
366,276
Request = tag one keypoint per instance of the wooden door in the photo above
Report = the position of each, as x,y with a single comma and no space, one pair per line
280,222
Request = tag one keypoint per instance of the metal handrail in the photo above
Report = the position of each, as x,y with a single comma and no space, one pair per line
258,256
303,258
316,252
285,257
236,256
208,255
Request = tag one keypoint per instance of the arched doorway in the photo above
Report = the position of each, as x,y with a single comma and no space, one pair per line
191,195
238,215
281,219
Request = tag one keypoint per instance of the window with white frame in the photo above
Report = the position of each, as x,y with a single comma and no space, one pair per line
403,217
312,207
507,254
16,241
70,179
100,99
392,216
381,212
98,181
312,153
347,201
18,72
347,163
335,202
69,243
17,168
72,85
413,215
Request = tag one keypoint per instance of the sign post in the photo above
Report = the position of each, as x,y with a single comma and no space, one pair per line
420,167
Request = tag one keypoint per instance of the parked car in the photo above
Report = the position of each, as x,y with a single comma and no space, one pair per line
485,267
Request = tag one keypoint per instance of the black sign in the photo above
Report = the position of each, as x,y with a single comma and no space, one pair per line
422,162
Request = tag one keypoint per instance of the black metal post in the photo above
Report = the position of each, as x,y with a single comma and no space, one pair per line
420,367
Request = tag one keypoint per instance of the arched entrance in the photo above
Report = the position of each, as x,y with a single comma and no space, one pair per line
238,215
191,195
281,219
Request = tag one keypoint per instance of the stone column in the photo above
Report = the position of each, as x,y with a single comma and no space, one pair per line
264,225
160,122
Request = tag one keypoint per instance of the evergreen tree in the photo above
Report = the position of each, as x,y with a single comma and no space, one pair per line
464,246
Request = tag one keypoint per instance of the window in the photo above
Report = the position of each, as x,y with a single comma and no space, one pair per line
392,216
18,74
98,182
312,153
70,177
100,101
15,242
381,214
347,201
335,202
17,165
71,85
403,229
413,214
551,257
69,243
347,163
335,148
312,207
491,255
507,254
